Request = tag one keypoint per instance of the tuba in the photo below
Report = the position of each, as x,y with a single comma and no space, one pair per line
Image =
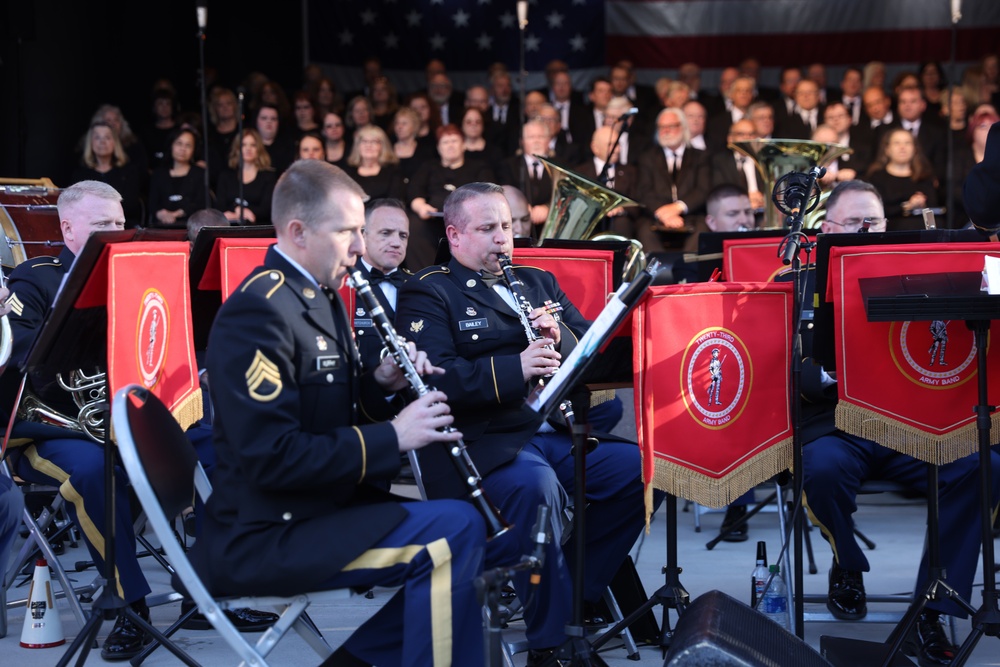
776,157
577,205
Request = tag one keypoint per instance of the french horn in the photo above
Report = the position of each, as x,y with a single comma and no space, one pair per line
577,205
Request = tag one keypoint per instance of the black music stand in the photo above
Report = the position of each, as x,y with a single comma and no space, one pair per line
926,297
710,244
574,373
72,338
205,302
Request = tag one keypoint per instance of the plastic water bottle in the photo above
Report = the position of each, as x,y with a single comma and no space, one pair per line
759,577
775,602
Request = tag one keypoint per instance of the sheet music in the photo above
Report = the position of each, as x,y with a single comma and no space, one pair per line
991,275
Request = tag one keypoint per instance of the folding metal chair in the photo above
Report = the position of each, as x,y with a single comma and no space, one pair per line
165,473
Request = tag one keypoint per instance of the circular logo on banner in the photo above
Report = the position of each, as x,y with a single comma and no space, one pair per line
151,337
716,375
936,355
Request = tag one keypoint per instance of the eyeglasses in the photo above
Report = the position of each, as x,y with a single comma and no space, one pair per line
852,225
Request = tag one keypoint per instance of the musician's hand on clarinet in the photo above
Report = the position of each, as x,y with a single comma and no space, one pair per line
392,378
421,421
544,321
539,359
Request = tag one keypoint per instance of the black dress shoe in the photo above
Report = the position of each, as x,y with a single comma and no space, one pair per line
541,656
929,642
733,515
126,639
846,598
243,618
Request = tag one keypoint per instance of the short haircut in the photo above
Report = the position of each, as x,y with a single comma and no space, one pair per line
76,192
382,202
723,191
305,189
205,217
850,186
454,205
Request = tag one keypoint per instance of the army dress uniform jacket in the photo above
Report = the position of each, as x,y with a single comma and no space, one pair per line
33,285
468,329
291,505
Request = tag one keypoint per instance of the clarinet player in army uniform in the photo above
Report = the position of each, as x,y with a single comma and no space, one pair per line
467,320
301,434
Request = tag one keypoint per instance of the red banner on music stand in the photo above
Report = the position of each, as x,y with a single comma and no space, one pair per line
909,386
752,260
231,261
712,371
586,276
150,336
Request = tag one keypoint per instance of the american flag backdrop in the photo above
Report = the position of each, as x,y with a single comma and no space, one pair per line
656,35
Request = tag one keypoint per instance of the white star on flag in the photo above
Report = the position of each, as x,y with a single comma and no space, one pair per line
413,18
437,2
484,2
484,42
578,43
555,20
531,43
346,37
461,19
437,41
367,17
391,41
507,20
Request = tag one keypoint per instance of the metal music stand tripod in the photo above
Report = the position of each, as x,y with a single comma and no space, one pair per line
571,379
942,296
73,338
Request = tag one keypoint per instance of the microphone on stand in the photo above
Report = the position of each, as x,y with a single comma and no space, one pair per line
542,537
202,12
795,194
522,14
240,94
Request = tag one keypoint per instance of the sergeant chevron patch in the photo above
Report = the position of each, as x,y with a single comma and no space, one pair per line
263,379
15,304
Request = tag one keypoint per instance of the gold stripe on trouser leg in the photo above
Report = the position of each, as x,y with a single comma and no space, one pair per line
440,554
823,529
71,495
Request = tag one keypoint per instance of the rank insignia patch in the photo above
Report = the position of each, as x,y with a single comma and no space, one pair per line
263,379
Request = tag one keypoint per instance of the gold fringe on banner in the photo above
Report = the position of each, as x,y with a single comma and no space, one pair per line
908,439
189,410
685,483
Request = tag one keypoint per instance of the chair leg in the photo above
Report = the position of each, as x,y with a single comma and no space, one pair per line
864,538
807,539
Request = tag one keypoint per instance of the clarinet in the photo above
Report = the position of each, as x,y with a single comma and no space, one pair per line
523,308
459,455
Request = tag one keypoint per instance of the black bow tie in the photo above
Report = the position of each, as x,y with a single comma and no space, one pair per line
397,277
490,280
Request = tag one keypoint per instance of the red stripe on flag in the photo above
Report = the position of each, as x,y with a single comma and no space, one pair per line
776,50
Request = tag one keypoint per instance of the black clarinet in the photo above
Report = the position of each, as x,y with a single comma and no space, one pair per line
523,308
396,345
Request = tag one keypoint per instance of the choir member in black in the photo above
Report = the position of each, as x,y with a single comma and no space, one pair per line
373,164
430,186
258,182
904,179
177,188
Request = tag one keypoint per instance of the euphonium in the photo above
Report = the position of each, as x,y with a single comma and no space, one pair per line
577,205
776,157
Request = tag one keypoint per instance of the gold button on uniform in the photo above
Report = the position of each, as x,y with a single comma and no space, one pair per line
287,516
475,336
329,377
470,283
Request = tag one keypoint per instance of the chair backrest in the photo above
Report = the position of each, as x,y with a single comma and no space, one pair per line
163,470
